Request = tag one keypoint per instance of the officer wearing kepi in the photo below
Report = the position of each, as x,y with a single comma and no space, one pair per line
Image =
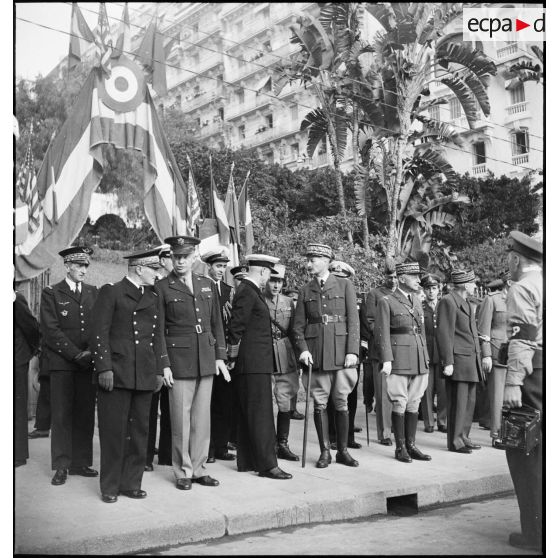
126,349
285,369
66,313
327,336
524,379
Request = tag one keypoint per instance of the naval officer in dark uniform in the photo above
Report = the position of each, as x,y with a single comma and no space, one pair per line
66,313
126,349
251,354
193,351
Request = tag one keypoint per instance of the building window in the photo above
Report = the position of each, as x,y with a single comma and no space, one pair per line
268,157
455,108
479,152
197,91
195,28
520,142
294,112
295,152
196,59
269,120
265,13
517,94
267,87
178,101
221,113
434,112
240,96
267,46
242,131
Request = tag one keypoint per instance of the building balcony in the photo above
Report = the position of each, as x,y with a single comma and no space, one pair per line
518,108
204,99
521,159
518,111
211,129
507,51
479,170
263,62
237,110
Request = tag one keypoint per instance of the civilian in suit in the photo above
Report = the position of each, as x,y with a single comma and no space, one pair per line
436,384
66,312
127,356
401,347
251,354
327,336
161,397
41,427
193,351
222,392
26,344
460,359
374,383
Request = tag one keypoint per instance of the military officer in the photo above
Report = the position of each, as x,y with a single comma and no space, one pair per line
26,344
285,369
327,336
250,351
66,312
126,352
222,394
160,397
239,273
491,323
524,379
459,352
401,348
193,351
436,384
375,386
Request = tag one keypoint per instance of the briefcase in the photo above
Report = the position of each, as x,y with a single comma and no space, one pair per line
521,429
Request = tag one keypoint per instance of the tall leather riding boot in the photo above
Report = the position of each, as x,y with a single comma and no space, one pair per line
322,428
283,424
331,423
342,428
398,425
411,420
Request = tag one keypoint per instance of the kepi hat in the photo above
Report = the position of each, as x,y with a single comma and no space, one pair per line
341,269
321,250
409,268
460,277
76,254
147,258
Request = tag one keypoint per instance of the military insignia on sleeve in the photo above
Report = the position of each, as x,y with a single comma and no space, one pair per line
64,313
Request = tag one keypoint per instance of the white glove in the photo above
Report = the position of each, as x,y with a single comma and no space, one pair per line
306,358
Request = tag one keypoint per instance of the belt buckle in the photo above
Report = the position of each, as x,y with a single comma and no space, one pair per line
198,328
325,318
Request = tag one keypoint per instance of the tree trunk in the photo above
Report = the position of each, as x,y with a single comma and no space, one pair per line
356,154
396,191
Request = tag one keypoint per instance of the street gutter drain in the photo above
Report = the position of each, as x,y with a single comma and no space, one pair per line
404,505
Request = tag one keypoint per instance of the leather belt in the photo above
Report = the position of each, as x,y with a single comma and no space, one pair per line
183,330
415,330
327,318
279,336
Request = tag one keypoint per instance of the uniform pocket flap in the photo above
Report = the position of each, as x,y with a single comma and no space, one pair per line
340,328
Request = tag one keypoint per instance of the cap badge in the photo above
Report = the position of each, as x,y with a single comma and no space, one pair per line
180,241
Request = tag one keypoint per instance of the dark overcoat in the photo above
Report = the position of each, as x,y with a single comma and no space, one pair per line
328,341
430,327
125,335
399,334
66,324
191,326
250,326
458,338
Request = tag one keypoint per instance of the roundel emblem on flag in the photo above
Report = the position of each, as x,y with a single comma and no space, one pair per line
124,90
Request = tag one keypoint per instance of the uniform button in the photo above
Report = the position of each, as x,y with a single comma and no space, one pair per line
154,325
151,344
136,332
137,343
135,323
155,316
197,309
199,319
135,313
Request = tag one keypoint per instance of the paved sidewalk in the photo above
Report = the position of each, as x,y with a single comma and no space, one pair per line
72,519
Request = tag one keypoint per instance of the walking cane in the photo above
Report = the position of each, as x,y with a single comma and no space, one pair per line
367,428
306,415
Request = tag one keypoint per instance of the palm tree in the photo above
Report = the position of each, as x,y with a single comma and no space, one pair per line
527,70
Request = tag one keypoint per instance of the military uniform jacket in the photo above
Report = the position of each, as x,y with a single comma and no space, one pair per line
225,296
399,334
430,326
26,331
326,322
282,312
191,326
125,336
491,322
458,338
250,326
367,316
65,323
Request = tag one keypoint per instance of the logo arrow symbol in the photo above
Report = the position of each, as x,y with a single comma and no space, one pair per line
519,25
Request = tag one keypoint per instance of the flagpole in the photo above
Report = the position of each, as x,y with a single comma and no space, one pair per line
211,204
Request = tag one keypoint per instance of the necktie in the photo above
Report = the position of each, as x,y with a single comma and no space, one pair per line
322,283
219,287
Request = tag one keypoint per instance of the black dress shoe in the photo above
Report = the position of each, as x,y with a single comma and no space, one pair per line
345,458
295,415
429,429
83,471
163,462
473,446
206,480
386,442
59,477
20,462
184,484
464,449
402,455
484,426
518,540
225,456
109,498
324,460
415,453
38,434
148,468
231,446
275,473
442,428
136,494
353,445
333,445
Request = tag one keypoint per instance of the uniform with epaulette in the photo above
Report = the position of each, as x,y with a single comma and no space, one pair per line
525,379
327,335
126,349
400,343
66,313
222,392
192,343
491,323
285,369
